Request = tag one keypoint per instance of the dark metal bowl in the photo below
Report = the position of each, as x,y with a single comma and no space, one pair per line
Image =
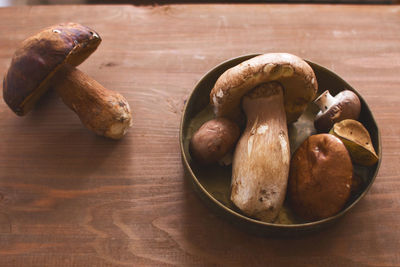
212,183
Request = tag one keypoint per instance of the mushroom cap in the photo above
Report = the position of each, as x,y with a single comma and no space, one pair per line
293,73
39,57
347,106
320,177
213,140
357,140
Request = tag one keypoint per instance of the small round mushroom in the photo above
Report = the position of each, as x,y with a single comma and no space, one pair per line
274,90
48,59
320,180
345,105
213,140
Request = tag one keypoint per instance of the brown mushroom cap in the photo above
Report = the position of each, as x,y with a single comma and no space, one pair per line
39,57
346,105
213,140
320,178
293,73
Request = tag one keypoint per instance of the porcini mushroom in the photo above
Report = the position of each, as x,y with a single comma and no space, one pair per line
213,140
317,187
48,59
274,90
345,105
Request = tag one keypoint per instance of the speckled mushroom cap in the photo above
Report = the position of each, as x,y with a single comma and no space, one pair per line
293,73
39,57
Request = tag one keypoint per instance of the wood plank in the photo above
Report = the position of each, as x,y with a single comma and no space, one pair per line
69,198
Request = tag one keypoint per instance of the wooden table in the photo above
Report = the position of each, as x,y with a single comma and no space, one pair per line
70,198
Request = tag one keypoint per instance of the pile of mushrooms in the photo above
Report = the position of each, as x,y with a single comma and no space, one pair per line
273,90
339,116
48,60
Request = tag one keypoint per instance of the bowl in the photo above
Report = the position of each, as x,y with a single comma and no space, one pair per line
212,183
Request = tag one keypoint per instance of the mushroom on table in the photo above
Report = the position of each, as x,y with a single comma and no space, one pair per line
273,89
49,59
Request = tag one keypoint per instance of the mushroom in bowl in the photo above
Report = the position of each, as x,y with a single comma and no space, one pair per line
213,183
273,90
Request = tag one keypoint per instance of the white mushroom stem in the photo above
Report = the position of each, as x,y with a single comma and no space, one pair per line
325,101
261,161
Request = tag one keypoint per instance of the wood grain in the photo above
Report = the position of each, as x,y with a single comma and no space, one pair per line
70,198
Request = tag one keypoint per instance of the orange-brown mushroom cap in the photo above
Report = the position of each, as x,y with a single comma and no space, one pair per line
39,57
294,74
320,178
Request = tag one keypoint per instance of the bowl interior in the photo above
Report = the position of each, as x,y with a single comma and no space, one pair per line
213,182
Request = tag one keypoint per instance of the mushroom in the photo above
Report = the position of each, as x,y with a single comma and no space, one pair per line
345,105
274,90
317,187
48,59
357,140
213,140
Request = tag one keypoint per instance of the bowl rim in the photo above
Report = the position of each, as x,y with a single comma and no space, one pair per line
258,222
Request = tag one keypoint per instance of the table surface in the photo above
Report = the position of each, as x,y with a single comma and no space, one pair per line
70,198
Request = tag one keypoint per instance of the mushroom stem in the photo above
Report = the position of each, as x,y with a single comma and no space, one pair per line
325,101
261,162
101,110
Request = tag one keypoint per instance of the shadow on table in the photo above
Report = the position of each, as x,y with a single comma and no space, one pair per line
54,156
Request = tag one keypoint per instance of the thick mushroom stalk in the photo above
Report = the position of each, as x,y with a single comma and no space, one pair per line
276,89
101,110
262,155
